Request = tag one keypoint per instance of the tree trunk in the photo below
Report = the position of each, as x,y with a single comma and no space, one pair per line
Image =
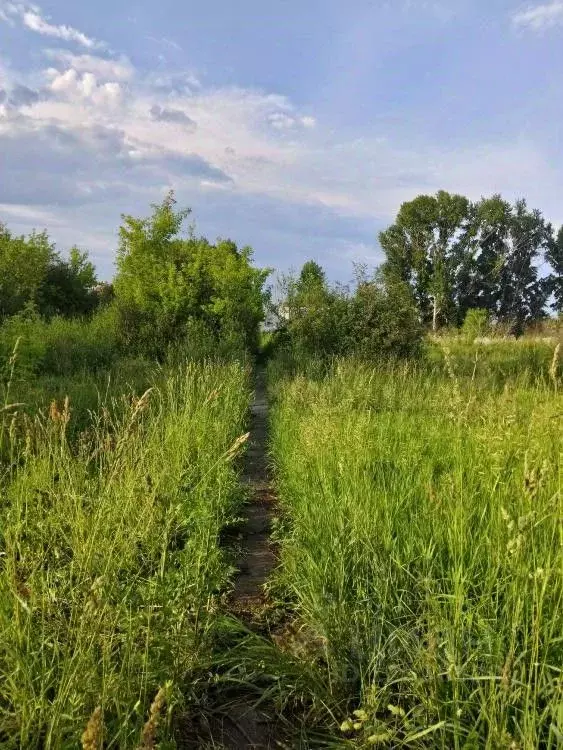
434,313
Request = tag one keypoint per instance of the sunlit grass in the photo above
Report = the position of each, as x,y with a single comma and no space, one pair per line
109,562
422,545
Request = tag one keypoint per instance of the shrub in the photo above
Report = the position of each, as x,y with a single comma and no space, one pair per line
476,323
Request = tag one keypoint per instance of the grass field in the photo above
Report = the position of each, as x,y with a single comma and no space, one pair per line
418,600
422,549
109,562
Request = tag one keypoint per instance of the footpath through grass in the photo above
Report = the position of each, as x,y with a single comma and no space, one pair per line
110,567
422,552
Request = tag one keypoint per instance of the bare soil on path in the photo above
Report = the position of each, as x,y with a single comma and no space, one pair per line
242,726
257,559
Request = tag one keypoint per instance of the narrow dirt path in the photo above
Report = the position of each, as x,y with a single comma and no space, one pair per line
240,725
257,559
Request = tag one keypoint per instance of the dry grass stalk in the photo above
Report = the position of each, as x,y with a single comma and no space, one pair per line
554,366
93,735
233,450
148,735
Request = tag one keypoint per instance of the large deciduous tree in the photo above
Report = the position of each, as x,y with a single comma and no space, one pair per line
33,274
457,256
423,249
23,267
504,248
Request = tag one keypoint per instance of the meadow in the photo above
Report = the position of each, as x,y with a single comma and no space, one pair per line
405,540
110,567
421,545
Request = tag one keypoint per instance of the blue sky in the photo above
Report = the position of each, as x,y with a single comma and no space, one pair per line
295,126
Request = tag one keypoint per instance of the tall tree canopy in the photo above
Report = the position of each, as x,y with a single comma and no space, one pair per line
423,248
457,255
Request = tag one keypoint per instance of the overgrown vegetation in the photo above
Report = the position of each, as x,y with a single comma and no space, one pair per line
421,551
109,558
416,438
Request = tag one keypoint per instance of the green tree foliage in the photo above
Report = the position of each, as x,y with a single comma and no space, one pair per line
23,268
376,320
315,314
423,249
33,274
505,245
69,286
170,286
384,320
456,256
555,281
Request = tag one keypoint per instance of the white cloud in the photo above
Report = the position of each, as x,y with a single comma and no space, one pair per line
36,22
369,176
31,17
308,122
284,121
34,216
75,86
247,143
281,120
102,68
541,16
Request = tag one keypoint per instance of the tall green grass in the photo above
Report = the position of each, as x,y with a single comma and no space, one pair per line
109,562
422,550
60,346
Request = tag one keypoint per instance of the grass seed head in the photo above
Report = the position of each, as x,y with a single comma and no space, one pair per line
148,735
233,450
93,735
554,366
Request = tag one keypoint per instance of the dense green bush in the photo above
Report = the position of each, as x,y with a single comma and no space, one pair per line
377,321
169,286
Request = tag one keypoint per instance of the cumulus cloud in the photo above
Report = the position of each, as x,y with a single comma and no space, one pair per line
115,70
51,165
540,17
74,85
98,136
176,116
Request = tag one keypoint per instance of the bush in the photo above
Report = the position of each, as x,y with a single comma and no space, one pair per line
477,323
22,345
378,321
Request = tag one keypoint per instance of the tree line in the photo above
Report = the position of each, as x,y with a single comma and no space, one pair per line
172,288
456,255
444,257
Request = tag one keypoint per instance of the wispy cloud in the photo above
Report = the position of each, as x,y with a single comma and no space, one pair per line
540,17
32,18
37,23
